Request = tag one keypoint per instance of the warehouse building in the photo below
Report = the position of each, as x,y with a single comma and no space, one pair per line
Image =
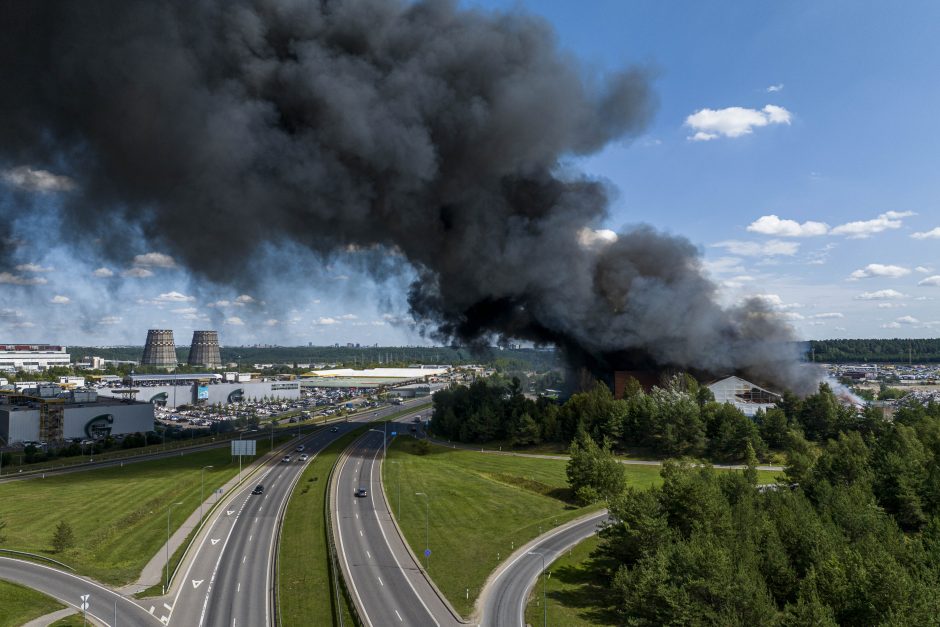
743,394
47,414
32,357
173,390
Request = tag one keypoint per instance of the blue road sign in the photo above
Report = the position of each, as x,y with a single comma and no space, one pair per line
427,552
394,433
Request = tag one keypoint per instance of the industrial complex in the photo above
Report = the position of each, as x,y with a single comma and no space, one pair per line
173,390
32,357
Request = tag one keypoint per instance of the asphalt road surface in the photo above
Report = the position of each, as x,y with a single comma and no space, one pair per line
228,580
386,584
505,598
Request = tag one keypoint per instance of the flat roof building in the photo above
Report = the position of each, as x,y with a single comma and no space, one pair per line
32,357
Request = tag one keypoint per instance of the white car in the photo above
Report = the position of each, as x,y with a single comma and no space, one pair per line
304,457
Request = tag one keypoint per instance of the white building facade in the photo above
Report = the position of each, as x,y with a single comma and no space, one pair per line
32,357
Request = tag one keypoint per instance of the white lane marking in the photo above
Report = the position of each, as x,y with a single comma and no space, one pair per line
196,583
380,581
342,552
260,507
169,607
215,541
369,555
239,588
244,558
399,616
250,537
360,533
256,519
152,608
357,516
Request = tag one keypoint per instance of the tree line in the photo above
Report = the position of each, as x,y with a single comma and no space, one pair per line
678,418
894,350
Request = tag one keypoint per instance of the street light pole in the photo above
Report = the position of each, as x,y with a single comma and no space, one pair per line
166,568
427,520
544,605
202,488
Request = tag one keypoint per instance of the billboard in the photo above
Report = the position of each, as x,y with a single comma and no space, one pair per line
243,447
202,393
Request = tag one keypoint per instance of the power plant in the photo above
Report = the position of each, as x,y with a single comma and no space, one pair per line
204,351
160,349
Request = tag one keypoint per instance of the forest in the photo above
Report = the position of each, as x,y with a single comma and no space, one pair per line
888,351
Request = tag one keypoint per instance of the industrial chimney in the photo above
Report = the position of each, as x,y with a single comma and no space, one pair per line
204,350
160,349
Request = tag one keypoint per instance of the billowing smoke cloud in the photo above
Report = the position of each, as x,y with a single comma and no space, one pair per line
436,133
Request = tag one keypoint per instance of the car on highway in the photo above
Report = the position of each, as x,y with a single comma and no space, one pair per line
334,429
258,489
286,459
304,457
299,448
362,492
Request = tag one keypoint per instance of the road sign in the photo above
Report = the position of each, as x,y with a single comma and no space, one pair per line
84,604
243,447
394,433
427,552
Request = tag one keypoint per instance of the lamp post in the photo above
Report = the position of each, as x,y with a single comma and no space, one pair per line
166,568
544,606
427,519
384,440
202,487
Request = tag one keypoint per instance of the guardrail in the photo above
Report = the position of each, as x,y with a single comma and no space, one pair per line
38,557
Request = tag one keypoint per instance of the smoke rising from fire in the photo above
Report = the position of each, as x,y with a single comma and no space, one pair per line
438,133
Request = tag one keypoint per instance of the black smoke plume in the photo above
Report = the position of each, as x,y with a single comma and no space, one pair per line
415,128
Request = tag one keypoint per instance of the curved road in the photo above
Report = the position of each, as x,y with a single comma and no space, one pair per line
386,584
505,595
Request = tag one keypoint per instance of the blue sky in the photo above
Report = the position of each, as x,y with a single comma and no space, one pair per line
795,143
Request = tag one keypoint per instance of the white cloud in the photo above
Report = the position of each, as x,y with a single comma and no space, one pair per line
790,315
349,316
103,273
891,305
137,273
154,260
770,248
326,321
15,279
931,234
724,265
733,121
271,322
907,320
880,270
775,88
773,225
174,297
58,299
881,295
866,228
828,315
891,325
244,299
932,281
922,269
599,238
110,320
32,267
234,321
185,310
32,180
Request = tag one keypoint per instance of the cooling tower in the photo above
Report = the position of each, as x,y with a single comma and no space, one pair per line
205,350
160,349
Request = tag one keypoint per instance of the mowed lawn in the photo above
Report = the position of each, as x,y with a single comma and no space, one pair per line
19,605
118,515
482,507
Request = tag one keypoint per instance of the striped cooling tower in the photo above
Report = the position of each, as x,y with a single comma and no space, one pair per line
204,350
160,349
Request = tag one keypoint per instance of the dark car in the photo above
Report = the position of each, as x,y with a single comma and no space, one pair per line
362,492
258,489
334,429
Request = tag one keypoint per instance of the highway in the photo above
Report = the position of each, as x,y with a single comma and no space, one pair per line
504,597
386,584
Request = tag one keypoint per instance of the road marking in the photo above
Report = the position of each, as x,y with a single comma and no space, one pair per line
260,507
152,608
357,515
380,581
256,519
215,541
244,558
399,616
169,607
197,582
239,588
360,533
369,555
229,512
250,537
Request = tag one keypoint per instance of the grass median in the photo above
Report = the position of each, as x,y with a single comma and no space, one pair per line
118,515
305,593
482,507
19,604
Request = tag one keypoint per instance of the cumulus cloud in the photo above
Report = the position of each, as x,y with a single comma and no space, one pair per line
891,305
828,315
907,320
174,297
325,321
773,225
58,299
32,267
185,310
110,320
234,321
873,270
932,281
733,121
349,316
922,269
774,301
16,279
244,299
881,295
103,273
271,322
866,228
137,273
31,180
724,265
770,248
775,88
154,260
931,234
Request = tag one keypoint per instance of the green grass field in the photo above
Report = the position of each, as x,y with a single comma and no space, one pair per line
573,594
19,604
305,592
119,515
483,506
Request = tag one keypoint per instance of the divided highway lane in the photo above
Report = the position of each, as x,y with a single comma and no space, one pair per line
104,605
505,596
386,585
228,581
